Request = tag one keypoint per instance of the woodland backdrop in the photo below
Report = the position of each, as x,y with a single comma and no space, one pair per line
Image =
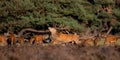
78,15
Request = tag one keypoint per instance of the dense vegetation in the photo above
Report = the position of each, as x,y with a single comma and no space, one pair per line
79,15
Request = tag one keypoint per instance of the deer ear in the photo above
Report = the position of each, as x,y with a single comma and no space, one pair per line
52,30
49,28
75,34
7,33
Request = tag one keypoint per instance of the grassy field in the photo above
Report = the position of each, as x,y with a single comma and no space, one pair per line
58,52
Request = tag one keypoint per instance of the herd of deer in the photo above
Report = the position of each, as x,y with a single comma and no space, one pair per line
54,38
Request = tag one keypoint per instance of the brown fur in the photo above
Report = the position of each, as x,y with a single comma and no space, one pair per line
110,39
62,38
3,40
21,40
89,42
12,38
37,39
97,40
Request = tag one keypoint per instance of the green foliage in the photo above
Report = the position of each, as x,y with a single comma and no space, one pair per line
117,12
104,2
117,15
77,14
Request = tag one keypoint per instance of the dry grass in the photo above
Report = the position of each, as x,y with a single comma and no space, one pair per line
50,52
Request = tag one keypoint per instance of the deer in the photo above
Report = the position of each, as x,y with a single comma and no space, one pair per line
59,38
3,40
110,39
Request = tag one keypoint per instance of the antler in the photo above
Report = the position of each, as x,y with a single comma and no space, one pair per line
32,30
